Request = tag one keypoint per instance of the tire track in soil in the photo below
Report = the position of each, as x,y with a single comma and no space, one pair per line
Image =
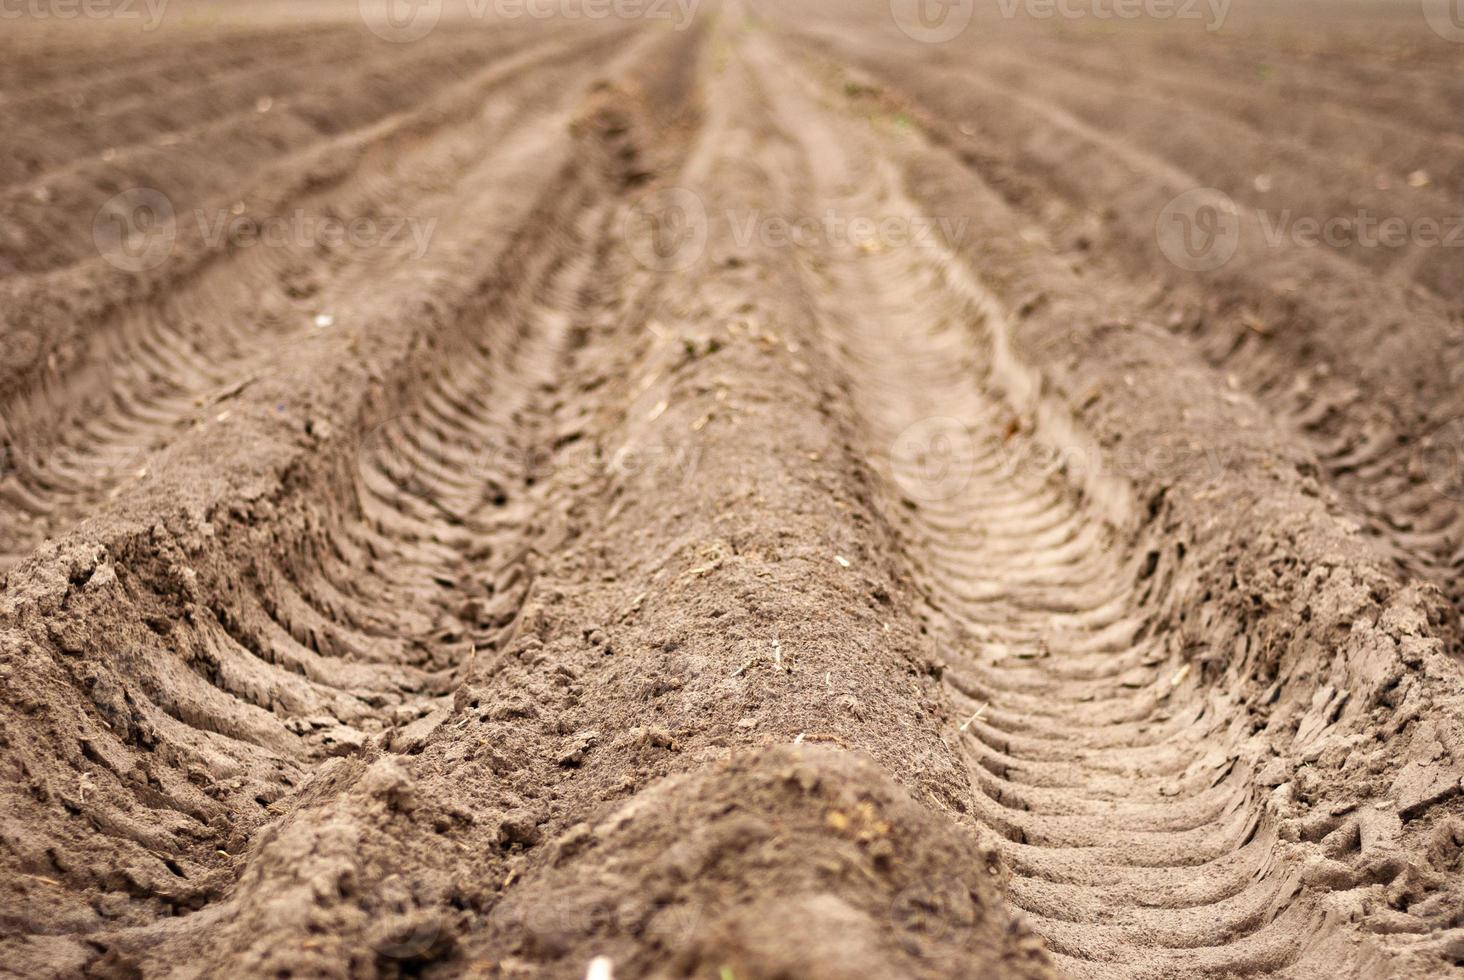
83,436
1130,129
1140,846
433,567
702,583
349,626
1377,453
514,711
354,615
1214,149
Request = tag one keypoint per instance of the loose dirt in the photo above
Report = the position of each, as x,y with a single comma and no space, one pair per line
755,495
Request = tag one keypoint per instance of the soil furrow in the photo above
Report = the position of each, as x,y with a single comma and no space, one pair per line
135,113
906,332
1366,141
1296,347
284,660
159,364
908,343
235,145
91,70
777,507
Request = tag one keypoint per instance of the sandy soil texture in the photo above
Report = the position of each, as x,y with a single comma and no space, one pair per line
731,490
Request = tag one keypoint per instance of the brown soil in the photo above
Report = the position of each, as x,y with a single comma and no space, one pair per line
789,518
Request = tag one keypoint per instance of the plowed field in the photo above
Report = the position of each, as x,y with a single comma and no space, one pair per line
731,490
